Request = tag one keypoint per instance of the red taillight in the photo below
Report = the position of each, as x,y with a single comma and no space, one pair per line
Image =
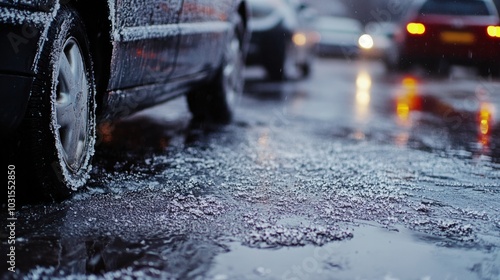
493,31
415,28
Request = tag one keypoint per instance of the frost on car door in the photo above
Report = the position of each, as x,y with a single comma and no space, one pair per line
204,25
145,41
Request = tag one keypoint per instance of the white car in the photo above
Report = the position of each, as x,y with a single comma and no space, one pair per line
338,36
377,39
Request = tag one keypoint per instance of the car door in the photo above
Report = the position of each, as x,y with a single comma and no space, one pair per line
204,25
145,42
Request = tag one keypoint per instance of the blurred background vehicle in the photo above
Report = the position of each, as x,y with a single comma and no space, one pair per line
338,36
437,33
281,38
377,39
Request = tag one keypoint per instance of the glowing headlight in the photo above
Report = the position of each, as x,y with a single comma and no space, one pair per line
365,41
299,39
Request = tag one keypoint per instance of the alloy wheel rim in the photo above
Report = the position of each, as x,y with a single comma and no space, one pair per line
233,71
71,104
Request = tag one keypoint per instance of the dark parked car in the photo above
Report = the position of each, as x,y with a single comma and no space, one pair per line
437,33
65,65
281,40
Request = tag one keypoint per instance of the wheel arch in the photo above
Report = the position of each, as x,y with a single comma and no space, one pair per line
243,11
96,16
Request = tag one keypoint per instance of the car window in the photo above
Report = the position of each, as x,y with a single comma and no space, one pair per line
340,25
454,7
260,11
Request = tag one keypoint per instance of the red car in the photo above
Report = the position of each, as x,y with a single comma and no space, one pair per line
437,33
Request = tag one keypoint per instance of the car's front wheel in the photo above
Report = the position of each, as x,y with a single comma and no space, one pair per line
59,129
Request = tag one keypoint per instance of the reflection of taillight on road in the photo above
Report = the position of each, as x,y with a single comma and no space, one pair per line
403,109
415,28
407,99
484,120
493,31
485,123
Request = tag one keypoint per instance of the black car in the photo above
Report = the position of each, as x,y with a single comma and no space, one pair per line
282,40
67,64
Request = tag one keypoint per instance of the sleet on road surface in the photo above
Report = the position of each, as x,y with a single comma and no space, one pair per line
351,174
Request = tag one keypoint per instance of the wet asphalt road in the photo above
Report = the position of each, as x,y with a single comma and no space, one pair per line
351,174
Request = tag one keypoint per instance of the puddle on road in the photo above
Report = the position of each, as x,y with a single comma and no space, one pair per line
463,117
373,253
